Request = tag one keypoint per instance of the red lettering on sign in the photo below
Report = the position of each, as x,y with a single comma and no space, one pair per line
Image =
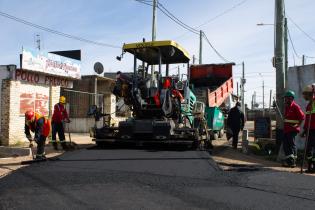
36,79
17,74
23,76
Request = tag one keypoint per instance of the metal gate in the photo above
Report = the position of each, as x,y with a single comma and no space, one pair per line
78,104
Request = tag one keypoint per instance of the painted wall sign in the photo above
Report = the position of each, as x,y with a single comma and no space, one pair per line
49,63
34,99
37,78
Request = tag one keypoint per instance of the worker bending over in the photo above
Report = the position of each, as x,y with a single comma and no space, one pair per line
40,126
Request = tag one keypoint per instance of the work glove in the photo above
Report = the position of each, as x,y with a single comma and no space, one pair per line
29,137
31,144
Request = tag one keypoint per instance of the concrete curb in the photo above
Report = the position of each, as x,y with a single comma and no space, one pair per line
11,151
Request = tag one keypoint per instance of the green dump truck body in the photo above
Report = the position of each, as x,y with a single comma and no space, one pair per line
215,118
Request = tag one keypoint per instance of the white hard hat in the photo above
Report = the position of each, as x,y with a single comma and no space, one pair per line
308,89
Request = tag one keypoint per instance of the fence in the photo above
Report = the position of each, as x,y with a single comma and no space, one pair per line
78,103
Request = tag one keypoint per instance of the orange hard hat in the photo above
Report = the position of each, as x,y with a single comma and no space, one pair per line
29,115
167,83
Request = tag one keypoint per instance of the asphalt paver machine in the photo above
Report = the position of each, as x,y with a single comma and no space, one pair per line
164,109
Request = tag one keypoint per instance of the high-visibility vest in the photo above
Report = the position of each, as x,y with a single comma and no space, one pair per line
310,115
293,116
46,126
312,111
292,121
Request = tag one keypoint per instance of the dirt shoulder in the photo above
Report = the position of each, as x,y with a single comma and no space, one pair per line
230,159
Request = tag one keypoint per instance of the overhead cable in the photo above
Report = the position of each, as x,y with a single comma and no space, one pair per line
304,32
25,22
214,49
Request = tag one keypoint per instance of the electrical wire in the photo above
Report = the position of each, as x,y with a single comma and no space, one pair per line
182,24
214,49
222,13
290,38
304,32
170,15
25,22
149,3
174,18
216,17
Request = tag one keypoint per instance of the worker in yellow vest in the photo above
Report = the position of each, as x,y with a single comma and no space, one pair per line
309,127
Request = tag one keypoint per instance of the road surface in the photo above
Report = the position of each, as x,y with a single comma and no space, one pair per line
150,179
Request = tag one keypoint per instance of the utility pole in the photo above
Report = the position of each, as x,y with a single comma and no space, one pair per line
154,20
194,59
253,100
285,52
243,81
38,42
270,96
200,47
153,37
237,91
263,92
279,61
303,60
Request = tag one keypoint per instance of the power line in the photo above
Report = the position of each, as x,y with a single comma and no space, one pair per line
214,49
174,18
304,32
182,24
25,22
290,38
149,3
217,16
170,15
222,13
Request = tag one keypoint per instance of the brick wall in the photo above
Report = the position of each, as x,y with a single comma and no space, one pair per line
12,122
5,106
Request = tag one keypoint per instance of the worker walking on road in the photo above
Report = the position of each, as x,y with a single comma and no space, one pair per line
40,126
309,127
293,117
236,122
60,116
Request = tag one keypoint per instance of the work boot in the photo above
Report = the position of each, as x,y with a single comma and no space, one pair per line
310,167
291,162
64,146
55,145
40,157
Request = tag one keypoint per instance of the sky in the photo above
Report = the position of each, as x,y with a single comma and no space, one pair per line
235,34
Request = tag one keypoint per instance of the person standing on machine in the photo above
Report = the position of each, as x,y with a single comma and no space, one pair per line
60,116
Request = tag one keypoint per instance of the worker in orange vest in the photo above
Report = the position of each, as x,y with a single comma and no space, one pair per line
40,126
309,127
293,117
60,116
